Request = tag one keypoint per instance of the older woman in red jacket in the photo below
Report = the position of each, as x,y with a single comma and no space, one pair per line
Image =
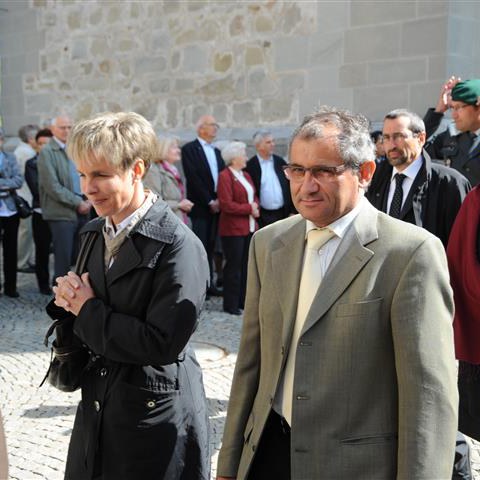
238,211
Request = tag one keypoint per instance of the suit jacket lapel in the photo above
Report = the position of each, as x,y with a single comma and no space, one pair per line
203,160
127,259
287,260
96,267
349,260
416,185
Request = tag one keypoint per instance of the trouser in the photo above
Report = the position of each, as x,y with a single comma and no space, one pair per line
235,250
65,243
9,233
205,228
25,243
42,238
272,455
270,216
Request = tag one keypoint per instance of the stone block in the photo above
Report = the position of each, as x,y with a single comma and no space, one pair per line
427,36
172,111
100,47
135,10
183,84
198,111
291,18
33,41
159,85
322,78
423,96
105,67
253,55
326,49
244,112
39,103
219,86
79,49
147,108
375,102
397,71
372,43
93,84
83,111
353,75
11,85
114,14
12,44
237,26
49,19
429,8
465,8
461,36
209,30
240,87
220,112
374,12
276,109
292,82
14,64
64,86
86,67
291,53
171,7
312,99
260,84
461,66
263,24
437,68
125,44
175,60
96,16
161,40
222,62
194,59
74,20
332,16
150,65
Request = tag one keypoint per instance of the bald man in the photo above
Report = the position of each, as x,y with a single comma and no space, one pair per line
202,163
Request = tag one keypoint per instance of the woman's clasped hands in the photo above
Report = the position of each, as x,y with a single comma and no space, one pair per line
72,292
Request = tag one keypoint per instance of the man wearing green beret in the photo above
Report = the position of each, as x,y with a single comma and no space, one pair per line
459,145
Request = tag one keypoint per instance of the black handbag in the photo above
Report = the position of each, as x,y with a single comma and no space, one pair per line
69,357
24,210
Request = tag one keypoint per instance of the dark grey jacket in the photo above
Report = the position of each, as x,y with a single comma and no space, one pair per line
10,178
143,413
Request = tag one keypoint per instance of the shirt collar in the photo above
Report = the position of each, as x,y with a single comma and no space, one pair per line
60,143
204,143
264,160
340,226
411,171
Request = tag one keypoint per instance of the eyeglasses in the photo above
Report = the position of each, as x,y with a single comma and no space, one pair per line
397,137
456,108
295,173
216,125
65,127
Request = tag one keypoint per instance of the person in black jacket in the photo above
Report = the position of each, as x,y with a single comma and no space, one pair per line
459,145
143,413
202,163
429,194
270,182
42,236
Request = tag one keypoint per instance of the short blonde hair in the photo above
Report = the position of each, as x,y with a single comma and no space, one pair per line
232,150
118,138
164,144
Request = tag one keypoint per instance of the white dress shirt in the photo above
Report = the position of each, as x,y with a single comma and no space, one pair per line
238,174
271,196
209,150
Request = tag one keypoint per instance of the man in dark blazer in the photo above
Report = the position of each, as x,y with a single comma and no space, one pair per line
202,163
459,145
346,367
270,182
431,194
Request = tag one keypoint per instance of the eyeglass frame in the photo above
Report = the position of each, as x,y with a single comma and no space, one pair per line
456,108
211,124
330,172
397,136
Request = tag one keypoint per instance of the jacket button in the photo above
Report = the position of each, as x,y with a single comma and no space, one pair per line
253,448
150,404
96,405
103,372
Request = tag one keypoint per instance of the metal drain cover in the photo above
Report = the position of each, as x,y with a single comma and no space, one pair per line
208,352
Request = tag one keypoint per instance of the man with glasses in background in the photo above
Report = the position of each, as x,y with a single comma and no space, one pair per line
61,201
412,187
459,145
202,162
346,366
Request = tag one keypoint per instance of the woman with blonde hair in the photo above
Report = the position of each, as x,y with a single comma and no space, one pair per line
143,412
165,179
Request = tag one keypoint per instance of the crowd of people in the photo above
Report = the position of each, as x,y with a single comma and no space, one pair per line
323,257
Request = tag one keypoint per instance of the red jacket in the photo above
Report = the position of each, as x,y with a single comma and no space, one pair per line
235,209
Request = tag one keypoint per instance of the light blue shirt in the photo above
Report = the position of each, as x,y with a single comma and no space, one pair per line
209,150
271,195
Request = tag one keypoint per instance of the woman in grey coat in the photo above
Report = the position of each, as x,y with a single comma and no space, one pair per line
143,412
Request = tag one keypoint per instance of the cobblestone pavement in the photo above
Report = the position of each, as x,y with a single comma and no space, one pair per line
38,421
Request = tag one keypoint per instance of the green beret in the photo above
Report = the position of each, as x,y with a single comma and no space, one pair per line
467,91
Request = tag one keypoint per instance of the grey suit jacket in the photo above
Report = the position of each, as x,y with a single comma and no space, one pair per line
375,392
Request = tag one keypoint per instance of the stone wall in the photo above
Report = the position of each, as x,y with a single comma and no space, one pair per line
251,64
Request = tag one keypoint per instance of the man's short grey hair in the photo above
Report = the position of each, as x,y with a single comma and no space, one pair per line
233,150
416,125
354,144
28,132
261,135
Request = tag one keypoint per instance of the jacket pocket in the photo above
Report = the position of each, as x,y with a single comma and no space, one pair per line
370,439
358,309
248,428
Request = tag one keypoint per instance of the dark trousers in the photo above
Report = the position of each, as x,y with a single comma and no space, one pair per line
272,455
9,234
42,238
235,251
270,216
65,243
205,228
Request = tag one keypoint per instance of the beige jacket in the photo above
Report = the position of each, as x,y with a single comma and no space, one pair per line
375,393
3,453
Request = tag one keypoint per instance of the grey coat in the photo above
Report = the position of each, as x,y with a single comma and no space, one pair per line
375,393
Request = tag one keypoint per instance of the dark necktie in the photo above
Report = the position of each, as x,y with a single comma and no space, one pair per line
396,205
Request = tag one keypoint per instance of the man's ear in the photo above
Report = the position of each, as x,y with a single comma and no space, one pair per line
367,169
139,168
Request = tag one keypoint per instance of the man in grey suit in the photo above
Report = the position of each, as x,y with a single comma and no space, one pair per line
357,380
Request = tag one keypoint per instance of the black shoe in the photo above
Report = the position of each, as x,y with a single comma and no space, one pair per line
28,269
14,294
214,292
233,311
45,290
